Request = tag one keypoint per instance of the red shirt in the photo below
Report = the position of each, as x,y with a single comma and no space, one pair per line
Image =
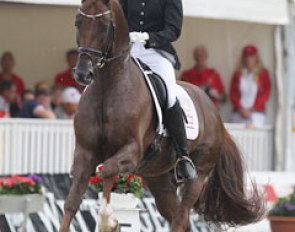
202,78
263,94
66,79
19,83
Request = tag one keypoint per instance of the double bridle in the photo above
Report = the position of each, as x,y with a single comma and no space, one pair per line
100,57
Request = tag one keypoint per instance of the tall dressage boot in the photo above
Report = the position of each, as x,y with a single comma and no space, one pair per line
184,168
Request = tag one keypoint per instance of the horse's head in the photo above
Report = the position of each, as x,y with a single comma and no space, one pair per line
95,37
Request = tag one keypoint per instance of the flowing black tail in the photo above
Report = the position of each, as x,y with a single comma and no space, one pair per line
224,199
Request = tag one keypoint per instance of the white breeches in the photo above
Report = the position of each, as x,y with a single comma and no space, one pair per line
160,65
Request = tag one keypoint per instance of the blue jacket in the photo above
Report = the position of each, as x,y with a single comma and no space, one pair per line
161,19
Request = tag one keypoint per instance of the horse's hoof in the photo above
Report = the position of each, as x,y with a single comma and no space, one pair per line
115,229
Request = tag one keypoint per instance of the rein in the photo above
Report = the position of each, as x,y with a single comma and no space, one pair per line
99,58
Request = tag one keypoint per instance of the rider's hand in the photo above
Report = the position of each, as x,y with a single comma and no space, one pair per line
139,37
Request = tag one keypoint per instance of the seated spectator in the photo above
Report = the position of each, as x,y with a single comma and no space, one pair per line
66,78
42,85
28,95
70,101
38,108
205,77
56,96
250,89
7,96
7,66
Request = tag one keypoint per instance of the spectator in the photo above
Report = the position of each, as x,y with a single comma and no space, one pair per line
56,96
7,96
39,108
66,78
7,65
250,89
70,101
28,95
206,78
42,85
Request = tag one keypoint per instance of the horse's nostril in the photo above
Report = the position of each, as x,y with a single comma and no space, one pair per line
83,78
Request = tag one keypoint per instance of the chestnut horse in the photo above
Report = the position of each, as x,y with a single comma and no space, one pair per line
116,122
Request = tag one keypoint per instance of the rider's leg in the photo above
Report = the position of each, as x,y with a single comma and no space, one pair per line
175,124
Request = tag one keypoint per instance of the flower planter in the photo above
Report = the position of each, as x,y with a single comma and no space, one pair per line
282,224
121,201
28,203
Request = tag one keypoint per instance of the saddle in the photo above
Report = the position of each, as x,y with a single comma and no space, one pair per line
158,85
159,94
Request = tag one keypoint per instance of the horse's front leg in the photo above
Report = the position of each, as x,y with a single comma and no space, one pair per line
123,161
84,165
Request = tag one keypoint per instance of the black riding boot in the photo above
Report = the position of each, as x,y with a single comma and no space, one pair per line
184,169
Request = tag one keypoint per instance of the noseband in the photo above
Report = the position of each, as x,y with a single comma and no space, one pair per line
100,57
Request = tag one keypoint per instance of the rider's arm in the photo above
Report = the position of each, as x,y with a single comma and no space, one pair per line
41,112
173,18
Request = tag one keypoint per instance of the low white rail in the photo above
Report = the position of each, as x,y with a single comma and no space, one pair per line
256,145
35,146
42,146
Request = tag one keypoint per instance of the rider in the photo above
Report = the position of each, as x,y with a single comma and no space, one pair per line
153,26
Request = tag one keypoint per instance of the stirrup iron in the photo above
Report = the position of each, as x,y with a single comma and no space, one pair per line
182,179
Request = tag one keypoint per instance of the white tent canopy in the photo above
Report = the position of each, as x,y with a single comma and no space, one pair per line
260,11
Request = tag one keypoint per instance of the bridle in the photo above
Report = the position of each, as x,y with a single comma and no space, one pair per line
100,57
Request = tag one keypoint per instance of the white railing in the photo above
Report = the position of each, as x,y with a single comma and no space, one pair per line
35,146
256,145
42,146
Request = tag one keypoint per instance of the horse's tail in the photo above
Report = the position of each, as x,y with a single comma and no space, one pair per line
224,199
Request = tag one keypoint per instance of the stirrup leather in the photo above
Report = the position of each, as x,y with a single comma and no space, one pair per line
177,178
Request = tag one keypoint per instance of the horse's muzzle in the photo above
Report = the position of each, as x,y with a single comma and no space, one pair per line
83,78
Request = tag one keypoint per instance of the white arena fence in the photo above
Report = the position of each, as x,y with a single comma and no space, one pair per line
43,146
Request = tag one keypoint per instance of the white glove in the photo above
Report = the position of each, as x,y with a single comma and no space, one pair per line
139,37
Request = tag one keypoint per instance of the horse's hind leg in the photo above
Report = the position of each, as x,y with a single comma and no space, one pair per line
164,190
190,194
84,165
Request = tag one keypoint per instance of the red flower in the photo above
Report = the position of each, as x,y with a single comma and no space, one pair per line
100,168
116,178
129,178
7,182
32,183
95,180
23,180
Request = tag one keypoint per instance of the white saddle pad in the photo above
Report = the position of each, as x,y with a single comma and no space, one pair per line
192,124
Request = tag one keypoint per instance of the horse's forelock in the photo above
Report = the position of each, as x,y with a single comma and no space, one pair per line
93,1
